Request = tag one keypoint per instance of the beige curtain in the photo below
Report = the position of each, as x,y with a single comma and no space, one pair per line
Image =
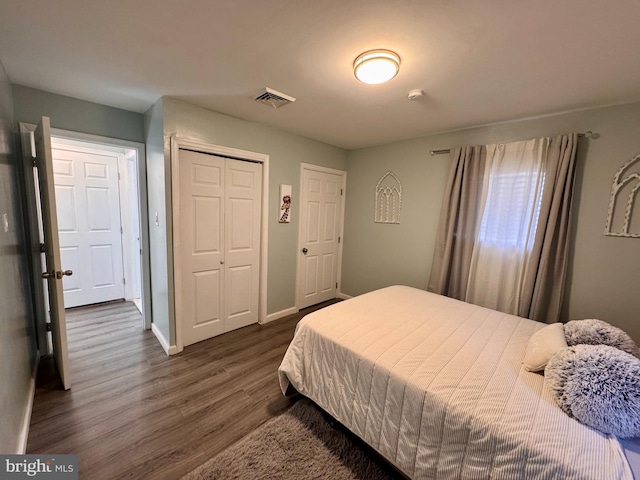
503,235
459,221
547,265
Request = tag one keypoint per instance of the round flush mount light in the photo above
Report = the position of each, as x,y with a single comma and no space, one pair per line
376,66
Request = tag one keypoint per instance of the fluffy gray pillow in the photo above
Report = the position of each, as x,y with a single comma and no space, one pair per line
599,385
598,332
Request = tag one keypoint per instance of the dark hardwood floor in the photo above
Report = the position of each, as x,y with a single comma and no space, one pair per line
133,412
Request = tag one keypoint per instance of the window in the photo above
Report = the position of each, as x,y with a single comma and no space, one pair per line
512,209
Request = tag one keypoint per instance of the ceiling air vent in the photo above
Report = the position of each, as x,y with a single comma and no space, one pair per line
276,99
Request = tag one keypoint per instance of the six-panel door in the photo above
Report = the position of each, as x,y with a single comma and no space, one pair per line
89,224
220,211
321,199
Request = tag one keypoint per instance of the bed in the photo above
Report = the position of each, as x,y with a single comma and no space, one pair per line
436,386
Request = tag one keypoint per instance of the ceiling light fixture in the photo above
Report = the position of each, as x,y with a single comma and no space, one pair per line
376,66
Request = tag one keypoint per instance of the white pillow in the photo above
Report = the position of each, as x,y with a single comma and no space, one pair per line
543,345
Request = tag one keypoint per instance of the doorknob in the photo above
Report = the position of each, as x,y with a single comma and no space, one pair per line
58,274
304,250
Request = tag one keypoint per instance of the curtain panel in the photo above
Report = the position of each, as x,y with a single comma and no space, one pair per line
458,224
503,234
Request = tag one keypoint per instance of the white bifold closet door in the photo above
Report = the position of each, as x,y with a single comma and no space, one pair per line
220,212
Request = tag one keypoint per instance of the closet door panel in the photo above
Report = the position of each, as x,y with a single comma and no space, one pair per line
243,199
202,245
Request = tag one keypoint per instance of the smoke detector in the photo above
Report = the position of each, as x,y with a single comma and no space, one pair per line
415,94
272,97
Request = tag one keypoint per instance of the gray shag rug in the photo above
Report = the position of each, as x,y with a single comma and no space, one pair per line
299,444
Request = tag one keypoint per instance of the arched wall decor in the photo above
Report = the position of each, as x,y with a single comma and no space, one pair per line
388,199
624,193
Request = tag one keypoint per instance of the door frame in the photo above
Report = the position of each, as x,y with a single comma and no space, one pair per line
333,171
141,167
177,143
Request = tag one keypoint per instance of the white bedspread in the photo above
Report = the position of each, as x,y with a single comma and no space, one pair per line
437,387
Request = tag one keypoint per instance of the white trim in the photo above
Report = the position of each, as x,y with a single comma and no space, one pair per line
99,139
281,314
177,143
333,171
175,229
169,350
320,168
344,296
26,419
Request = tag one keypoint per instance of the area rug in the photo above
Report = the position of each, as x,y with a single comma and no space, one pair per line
299,444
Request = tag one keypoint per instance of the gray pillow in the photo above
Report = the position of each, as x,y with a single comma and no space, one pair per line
599,386
598,332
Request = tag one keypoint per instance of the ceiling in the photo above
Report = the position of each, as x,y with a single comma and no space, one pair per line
478,62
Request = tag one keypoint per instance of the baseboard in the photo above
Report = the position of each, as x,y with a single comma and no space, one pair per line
26,419
168,349
281,314
344,296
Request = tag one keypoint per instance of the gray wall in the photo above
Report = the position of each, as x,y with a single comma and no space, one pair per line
156,195
17,336
604,271
76,115
286,152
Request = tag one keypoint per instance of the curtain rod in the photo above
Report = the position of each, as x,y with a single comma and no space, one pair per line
587,134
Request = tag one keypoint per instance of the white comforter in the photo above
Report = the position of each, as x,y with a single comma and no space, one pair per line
437,387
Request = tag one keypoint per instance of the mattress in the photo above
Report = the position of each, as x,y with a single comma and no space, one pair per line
436,386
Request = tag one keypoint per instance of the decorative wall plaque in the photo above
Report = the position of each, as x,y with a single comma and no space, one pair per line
388,199
284,215
624,193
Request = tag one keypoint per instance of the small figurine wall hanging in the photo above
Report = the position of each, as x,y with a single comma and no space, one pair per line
285,208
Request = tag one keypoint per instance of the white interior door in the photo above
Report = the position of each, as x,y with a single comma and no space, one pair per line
53,272
219,215
320,224
243,209
88,206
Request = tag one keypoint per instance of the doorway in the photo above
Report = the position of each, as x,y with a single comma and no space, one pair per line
131,220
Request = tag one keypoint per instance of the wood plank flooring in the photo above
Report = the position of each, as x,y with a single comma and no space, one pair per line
132,412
